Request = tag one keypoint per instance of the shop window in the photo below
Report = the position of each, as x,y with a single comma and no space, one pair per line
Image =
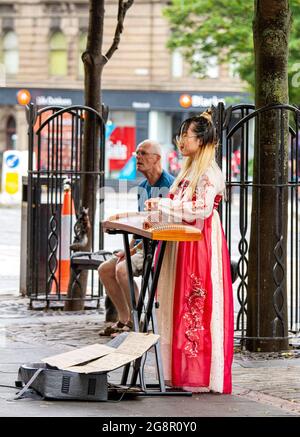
81,49
10,53
58,55
11,133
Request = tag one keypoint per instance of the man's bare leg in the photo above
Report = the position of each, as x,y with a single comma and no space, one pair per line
122,278
107,275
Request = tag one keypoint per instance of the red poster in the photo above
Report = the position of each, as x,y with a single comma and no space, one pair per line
120,147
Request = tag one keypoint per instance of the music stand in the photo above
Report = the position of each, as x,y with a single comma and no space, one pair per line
154,240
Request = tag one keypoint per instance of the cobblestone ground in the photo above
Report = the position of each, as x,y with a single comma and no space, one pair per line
40,326
272,378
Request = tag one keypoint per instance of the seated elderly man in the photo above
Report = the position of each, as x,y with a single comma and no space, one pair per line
113,273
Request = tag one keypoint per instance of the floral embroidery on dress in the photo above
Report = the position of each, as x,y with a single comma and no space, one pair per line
193,317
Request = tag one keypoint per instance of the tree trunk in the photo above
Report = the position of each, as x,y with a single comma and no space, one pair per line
267,296
93,66
94,62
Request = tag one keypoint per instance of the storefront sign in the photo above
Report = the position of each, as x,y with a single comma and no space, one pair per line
196,101
23,97
49,100
141,105
185,100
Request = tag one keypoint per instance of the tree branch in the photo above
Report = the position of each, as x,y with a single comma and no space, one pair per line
122,10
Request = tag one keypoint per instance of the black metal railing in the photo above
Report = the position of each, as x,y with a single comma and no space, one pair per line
55,151
240,128
54,179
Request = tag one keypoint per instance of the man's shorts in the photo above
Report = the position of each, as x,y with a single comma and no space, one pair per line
137,261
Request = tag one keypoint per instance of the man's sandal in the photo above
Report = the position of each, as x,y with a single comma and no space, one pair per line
126,328
114,329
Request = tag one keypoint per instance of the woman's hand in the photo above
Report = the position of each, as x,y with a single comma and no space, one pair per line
152,219
152,204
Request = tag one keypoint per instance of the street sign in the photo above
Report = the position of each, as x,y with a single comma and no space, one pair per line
15,164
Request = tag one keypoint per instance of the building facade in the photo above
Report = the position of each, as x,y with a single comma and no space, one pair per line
147,88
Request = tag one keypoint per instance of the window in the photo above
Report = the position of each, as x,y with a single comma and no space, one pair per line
10,53
177,64
58,55
209,66
2,72
81,49
11,134
232,70
212,67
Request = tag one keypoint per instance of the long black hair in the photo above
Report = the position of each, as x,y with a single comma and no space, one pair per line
202,126
205,131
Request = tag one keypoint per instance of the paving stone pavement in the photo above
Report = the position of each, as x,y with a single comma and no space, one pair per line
269,380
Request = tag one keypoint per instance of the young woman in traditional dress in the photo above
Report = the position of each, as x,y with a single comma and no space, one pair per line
195,297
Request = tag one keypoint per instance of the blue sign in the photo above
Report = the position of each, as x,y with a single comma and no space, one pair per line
109,128
129,169
12,161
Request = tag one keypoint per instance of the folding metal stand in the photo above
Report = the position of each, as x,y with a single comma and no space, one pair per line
150,276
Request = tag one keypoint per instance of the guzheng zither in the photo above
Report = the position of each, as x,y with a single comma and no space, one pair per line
139,223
